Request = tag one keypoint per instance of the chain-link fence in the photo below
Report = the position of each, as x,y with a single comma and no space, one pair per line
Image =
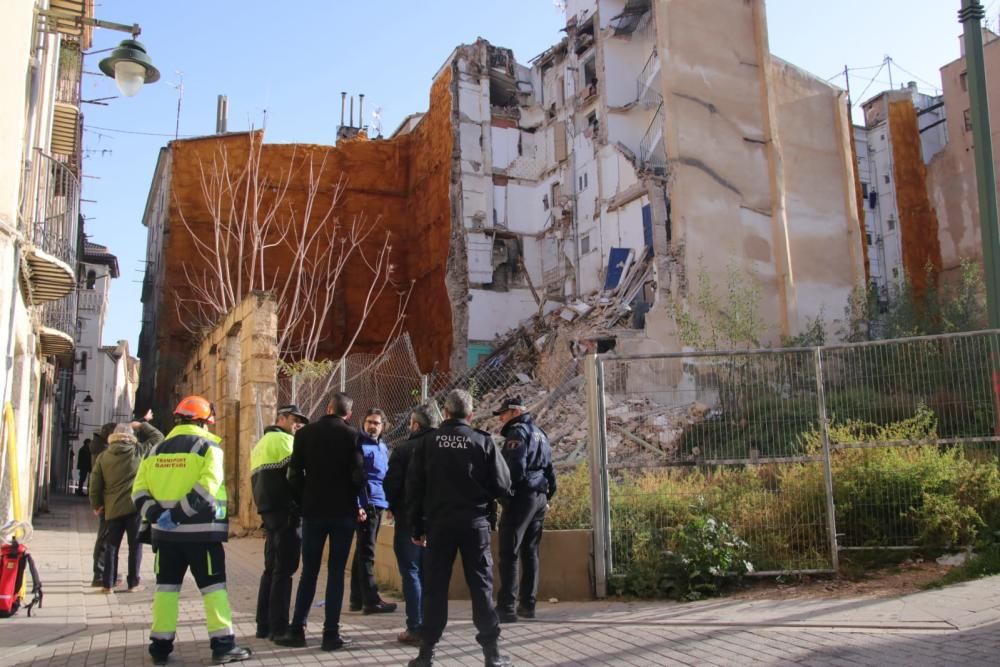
805,453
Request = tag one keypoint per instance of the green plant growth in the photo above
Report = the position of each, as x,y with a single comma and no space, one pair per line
708,319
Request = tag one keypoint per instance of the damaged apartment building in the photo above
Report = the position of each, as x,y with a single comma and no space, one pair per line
659,132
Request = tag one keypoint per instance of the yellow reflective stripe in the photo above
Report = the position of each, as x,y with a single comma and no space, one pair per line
156,562
208,558
195,430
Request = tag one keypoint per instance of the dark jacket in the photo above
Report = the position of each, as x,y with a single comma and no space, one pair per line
528,454
113,474
395,479
148,436
269,459
454,476
97,445
325,471
83,460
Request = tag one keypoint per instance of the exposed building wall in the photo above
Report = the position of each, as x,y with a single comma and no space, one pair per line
821,205
235,367
921,249
951,174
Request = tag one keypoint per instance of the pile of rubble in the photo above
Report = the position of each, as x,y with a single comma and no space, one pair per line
540,361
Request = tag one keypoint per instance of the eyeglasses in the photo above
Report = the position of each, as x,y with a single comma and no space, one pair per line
373,422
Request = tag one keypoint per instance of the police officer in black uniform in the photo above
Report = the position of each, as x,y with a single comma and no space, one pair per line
528,454
453,480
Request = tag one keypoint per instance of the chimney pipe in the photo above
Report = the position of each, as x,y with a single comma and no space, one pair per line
361,113
221,114
343,101
352,111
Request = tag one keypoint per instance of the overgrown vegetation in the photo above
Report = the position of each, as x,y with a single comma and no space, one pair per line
710,319
684,532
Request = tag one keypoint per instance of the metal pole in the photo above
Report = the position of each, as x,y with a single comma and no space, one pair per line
970,16
824,430
343,374
425,387
599,500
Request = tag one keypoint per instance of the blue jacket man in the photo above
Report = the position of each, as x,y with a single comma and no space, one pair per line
364,590
528,454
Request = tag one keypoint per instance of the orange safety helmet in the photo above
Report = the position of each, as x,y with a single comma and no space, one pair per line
195,408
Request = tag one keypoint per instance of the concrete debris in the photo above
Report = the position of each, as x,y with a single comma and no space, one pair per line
545,354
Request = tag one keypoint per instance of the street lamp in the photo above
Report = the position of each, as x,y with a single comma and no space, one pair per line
130,67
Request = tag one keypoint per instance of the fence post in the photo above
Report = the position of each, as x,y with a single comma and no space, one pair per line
824,430
343,374
599,497
425,385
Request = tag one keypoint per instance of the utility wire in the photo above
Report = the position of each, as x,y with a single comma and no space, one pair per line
906,71
862,95
91,128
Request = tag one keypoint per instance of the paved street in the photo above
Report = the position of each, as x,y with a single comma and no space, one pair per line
80,626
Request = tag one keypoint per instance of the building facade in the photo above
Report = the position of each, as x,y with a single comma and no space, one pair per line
42,43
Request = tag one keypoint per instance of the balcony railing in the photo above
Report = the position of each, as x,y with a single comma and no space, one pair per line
58,321
652,154
648,83
54,211
91,301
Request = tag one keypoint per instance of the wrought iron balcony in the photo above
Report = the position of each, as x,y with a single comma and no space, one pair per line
52,212
652,154
648,83
58,322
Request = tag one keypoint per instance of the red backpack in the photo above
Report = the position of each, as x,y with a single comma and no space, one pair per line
14,559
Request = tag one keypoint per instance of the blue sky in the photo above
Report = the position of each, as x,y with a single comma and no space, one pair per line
291,60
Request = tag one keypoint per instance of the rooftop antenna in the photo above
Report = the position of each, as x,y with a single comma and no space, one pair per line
377,122
180,96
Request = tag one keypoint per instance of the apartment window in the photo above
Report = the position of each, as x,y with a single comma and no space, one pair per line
864,190
83,362
869,238
963,81
583,181
585,244
91,279
895,272
545,202
891,222
592,121
968,120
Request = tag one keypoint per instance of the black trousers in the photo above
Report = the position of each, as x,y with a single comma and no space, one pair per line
520,536
282,547
127,526
364,590
472,540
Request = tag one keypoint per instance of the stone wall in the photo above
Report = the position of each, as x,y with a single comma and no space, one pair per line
235,367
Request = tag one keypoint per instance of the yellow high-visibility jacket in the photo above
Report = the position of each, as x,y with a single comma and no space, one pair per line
184,474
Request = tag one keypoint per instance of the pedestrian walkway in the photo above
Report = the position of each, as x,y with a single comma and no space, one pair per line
80,626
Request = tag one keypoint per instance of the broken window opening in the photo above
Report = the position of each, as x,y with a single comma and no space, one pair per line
592,122
507,264
590,78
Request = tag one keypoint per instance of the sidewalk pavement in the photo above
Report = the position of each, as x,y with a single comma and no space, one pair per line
80,626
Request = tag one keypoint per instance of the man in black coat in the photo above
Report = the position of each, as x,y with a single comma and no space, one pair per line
409,556
326,473
454,478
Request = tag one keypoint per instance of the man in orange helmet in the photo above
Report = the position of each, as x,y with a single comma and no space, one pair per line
180,491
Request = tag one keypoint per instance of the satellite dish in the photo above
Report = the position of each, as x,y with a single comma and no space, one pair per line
377,122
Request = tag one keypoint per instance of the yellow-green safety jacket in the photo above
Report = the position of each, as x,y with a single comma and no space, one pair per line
184,474
269,472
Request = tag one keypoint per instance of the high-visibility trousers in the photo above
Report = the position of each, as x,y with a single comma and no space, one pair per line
207,561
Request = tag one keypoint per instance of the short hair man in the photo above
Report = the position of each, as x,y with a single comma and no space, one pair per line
326,474
455,476
409,556
528,454
180,490
364,589
279,513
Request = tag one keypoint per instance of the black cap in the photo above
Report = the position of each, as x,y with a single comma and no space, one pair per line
510,403
293,410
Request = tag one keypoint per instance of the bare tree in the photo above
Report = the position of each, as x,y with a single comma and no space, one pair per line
258,238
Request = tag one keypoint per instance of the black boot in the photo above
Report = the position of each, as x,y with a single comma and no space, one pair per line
294,637
425,658
234,654
491,653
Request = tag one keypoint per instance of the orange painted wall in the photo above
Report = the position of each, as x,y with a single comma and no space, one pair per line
917,218
404,182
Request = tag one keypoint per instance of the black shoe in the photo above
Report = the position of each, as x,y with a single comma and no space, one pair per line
382,607
235,654
424,659
526,612
262,633
492,657
354,607
335,643
160,659
97,583
507,615
294,638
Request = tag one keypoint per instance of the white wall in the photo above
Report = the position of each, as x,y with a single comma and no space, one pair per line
496,313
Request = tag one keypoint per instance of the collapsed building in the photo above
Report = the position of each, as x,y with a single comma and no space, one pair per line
656,141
